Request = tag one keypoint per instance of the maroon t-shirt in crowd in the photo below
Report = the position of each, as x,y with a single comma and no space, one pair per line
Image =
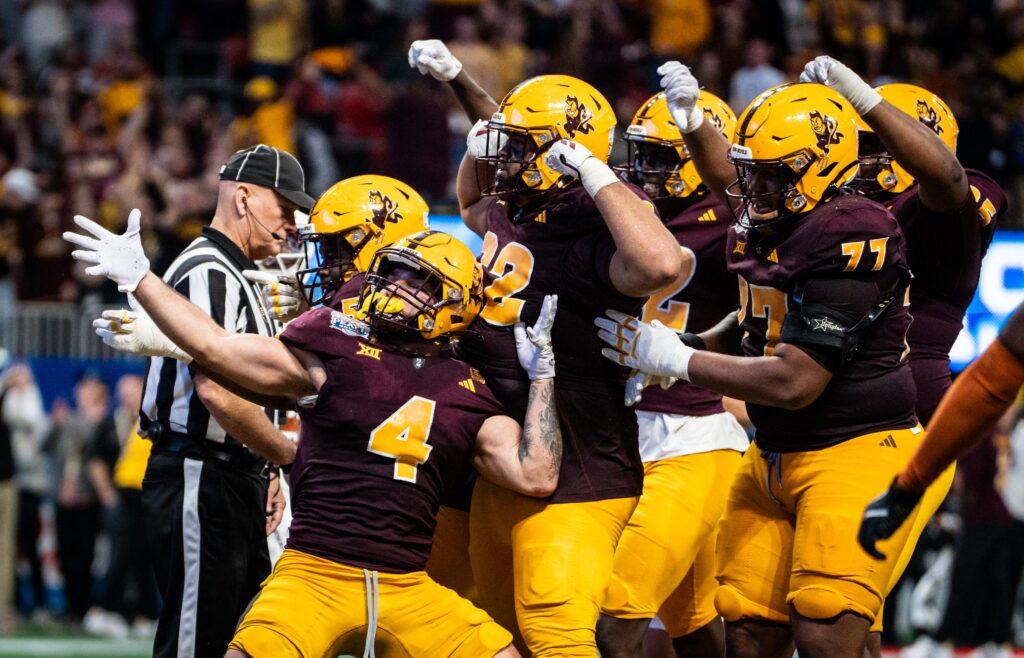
945,250
563,247
849,254
704,293
354,501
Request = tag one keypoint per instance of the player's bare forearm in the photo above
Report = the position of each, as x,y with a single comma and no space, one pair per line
540,448
472,205
245,421
647,258
477,103
724,337
708,149
941,178
259,363
789,379
268,401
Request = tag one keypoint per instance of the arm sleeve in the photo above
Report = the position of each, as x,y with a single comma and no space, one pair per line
987,387
821,324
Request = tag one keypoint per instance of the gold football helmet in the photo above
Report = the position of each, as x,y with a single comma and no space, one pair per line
879,172
428,283
795,147
349,223
658,159
534,115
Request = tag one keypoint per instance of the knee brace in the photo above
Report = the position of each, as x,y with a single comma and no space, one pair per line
825,602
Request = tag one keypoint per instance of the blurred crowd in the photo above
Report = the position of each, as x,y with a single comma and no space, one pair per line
106,105
72,541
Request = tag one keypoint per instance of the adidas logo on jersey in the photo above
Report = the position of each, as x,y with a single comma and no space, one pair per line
468,385
889,442
708,216
774,256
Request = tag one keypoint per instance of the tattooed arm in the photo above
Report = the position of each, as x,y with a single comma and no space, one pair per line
524,459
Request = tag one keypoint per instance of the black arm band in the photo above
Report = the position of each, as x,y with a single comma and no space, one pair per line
693,340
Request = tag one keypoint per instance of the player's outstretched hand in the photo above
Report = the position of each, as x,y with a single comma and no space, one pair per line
884,515
433,57
117,257
834,74
653,348
281,295
681,94
571,158
136,333
533,344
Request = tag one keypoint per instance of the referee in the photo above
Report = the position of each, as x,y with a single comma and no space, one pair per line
205,490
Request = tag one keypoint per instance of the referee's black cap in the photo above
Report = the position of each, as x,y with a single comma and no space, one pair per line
269,167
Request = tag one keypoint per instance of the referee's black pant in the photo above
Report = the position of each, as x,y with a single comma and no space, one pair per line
205,524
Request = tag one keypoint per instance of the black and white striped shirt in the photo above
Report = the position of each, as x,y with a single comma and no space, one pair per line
209,273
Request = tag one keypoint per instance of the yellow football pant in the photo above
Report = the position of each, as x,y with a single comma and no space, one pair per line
449,554
311,608
656,568
544,565
789,532
930,503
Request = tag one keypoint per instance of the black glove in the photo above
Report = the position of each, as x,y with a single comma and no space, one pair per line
884,515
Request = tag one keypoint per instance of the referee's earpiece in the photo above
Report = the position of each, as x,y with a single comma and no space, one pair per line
273,234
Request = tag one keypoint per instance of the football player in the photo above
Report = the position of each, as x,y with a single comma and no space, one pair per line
822,278
987,387
908,162
536,186
665,560
389,420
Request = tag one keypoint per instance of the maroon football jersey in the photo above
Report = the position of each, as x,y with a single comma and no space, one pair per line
945,252
388,436
565,249
703,294
848,254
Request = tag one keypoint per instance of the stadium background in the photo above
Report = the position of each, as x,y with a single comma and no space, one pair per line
106,105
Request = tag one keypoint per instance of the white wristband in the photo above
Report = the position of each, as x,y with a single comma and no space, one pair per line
863,98
682,367
694,119
596,175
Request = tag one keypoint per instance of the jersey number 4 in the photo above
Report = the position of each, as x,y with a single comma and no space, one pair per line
511,269
403,437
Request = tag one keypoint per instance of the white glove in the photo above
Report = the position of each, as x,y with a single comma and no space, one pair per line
533,344
483,141
281,295
571,158
136,333
638,381
834,74
653,348
117,257
681,92
433,57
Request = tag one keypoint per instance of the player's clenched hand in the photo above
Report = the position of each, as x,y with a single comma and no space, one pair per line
571,158
117,257
681,94
433,57
884,515
533,344
136,333
834,74
483,141
281,295
653,349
